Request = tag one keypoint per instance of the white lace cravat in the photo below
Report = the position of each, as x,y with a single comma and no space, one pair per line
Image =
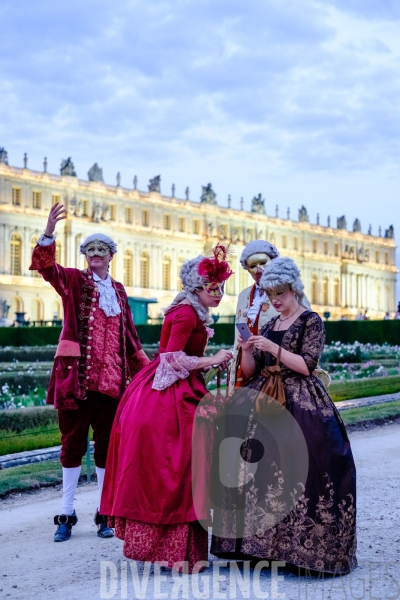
108,298
258,301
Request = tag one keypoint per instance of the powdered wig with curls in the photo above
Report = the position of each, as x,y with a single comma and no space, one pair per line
282,273
191,281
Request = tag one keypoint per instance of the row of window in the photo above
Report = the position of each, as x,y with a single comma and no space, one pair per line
37,309
325,291
36,198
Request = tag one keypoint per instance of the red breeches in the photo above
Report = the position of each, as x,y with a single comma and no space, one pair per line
98,410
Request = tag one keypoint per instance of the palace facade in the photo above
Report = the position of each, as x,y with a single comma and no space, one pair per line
344,272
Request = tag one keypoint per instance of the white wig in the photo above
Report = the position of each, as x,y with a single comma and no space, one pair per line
99,237
191,281
257,247
284,271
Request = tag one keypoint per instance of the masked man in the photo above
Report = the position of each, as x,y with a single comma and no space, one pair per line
97,355
253,306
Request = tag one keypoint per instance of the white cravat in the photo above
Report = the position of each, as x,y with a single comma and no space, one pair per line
258,301
108,298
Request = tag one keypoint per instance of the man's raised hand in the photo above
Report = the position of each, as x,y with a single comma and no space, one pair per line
57,213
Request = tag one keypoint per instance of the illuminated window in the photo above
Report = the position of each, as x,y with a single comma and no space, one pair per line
15,254
314,289
314,246
128,214
166,273
167,221
16,196
181,224
231,282
113,212
325,247
58,252
377,257
36,199
37,310
336,290
336,249
144,270
55,199
145,219
56,310
325,291
180,262
284,241
386,258
127,268
85,208
196,226
34,241
296,243
272,238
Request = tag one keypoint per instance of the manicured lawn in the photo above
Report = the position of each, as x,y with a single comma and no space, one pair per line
29,439
34,476
369,413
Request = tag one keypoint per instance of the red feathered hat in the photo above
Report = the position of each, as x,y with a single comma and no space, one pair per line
216,269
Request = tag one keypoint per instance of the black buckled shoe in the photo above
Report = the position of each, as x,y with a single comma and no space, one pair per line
103,530
65,524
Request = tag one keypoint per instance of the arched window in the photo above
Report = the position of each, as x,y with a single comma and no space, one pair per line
56,310
166,273
16,306
15,254
113,267
144,270
314,290
128,280
336,291
37,310
58,252
231,282
34,241
325,288
179,264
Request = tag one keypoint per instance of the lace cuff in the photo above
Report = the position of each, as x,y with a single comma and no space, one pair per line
173,366
46,241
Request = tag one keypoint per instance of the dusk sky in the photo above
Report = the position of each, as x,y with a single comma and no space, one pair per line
298,100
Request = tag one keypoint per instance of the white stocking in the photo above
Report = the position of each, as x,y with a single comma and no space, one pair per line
100,480
70,482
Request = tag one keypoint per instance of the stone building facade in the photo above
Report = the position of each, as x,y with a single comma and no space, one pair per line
344,272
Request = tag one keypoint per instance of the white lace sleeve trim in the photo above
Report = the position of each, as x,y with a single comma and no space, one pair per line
173,366
46,241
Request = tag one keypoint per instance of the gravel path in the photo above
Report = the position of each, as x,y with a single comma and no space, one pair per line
32,566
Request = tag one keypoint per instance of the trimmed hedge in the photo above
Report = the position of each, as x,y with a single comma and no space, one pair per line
27,418
373,332
365,332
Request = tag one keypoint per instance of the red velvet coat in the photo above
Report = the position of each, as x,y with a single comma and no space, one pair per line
70,370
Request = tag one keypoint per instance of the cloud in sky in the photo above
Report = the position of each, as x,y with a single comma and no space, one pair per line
297,98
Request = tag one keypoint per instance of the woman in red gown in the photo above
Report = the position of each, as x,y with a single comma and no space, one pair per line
148,480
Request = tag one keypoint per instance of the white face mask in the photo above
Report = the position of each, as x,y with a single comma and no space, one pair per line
97,248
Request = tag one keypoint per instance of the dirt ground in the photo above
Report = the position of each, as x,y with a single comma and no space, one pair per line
33,566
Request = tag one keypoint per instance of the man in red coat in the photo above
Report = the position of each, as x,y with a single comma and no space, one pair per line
97,355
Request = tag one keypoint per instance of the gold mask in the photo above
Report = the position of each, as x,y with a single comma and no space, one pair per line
257,261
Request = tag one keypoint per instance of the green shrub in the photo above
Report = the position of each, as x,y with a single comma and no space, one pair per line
27,418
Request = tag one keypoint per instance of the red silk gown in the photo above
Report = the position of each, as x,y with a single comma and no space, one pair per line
148,479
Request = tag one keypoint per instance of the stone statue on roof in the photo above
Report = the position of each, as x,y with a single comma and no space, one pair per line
389,233
341,222
3,156
357,225
303,215
95,173
67,167
154,184
258,205
208,195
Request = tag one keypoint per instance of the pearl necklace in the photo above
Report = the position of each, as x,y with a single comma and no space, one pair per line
281,320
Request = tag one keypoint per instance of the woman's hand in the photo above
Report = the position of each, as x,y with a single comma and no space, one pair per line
57,213
263,344
222,357
245,346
